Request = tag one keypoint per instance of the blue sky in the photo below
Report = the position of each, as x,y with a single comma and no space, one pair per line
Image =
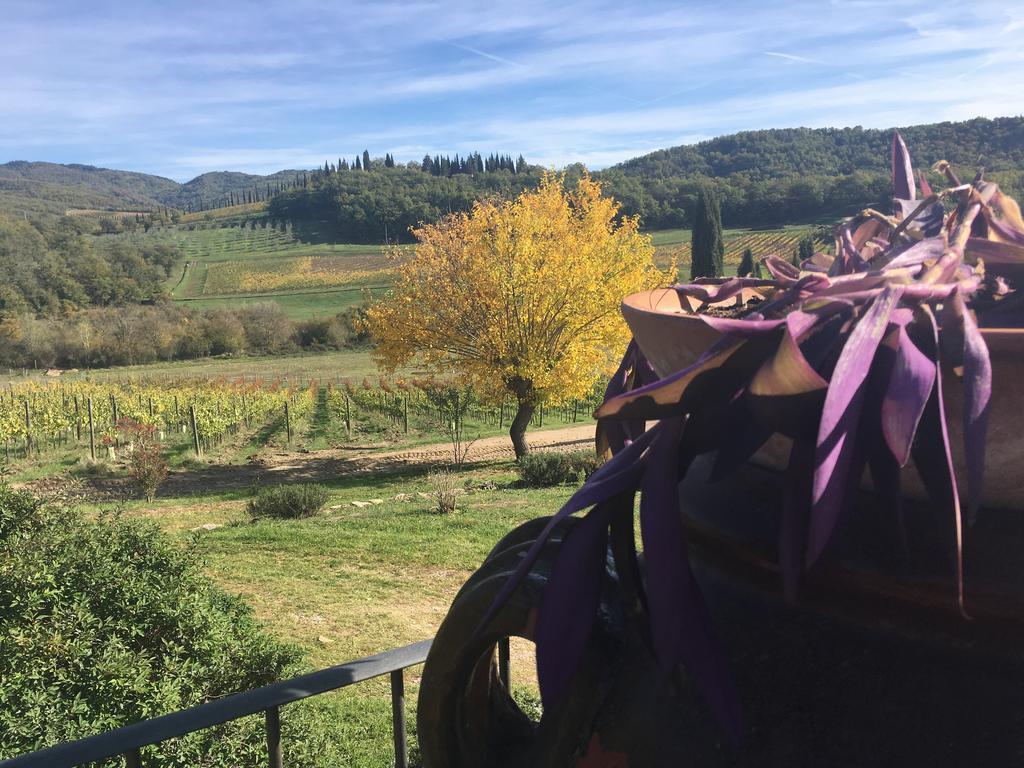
180,88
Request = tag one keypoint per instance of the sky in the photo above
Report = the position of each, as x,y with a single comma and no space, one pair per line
181,88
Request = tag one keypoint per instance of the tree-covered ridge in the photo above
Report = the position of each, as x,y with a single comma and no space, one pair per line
382,205
51,188
997,144
53,270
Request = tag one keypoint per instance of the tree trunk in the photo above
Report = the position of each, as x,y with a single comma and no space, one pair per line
519,424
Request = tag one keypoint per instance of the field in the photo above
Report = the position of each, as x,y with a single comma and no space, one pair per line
249,261
237,257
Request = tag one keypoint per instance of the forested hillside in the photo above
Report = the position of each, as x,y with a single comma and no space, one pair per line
803,175
997,145
353,206
55,269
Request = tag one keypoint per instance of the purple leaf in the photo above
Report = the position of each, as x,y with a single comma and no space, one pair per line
977,394
569,604
928,222
926,189
680,624
634,371
741,328
839,417
902,169
781,269
664,397
786,388
621,473
910,386
719,291
932,455
930,249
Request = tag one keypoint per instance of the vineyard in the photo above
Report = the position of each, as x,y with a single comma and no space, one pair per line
35,417
294,273
781,242
95,420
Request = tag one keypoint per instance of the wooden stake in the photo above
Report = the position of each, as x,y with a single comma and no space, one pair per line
92,433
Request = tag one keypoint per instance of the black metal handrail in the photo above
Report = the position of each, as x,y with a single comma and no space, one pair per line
129,740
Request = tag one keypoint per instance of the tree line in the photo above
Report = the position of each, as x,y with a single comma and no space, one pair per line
138,334
383,206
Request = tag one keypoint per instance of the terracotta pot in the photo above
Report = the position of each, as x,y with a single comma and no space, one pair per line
673,338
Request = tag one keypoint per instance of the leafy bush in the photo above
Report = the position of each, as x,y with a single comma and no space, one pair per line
539,470
289,502
104,623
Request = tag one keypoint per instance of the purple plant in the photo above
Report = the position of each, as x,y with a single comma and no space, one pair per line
843,355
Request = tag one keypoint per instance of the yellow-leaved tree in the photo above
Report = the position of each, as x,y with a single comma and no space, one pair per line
520,297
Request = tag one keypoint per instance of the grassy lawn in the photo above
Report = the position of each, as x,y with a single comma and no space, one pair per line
352,582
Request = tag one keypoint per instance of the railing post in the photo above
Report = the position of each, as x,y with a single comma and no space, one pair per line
275,755
504,657
398,718
133,759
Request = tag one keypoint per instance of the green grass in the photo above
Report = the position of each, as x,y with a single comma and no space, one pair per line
328,366
353,582
300,305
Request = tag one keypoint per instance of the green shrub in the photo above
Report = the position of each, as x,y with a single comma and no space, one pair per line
539,470
107,622
289,502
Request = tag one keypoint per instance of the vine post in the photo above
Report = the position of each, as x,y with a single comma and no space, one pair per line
195,430
92,432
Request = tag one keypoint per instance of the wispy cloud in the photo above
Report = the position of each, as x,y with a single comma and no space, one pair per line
231,85
791,57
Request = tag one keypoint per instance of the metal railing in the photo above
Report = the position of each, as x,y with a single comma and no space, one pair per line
129,740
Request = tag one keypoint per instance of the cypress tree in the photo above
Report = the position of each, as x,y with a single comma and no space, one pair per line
805,249
746,263
366,159
707,245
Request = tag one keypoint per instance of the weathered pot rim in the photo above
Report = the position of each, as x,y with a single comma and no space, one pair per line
999,339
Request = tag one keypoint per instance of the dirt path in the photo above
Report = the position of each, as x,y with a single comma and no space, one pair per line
319,466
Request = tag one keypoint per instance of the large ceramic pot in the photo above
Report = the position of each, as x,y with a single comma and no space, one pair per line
873,556
673,337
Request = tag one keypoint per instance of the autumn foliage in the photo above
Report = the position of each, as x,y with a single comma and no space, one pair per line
520,297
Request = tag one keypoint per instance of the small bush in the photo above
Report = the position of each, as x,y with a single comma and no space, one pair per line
444,489
146,461
289,502
540,470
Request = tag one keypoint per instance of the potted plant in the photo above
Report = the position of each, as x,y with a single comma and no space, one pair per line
841,437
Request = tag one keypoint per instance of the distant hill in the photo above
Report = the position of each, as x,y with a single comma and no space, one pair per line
789,175
37,188
996,144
